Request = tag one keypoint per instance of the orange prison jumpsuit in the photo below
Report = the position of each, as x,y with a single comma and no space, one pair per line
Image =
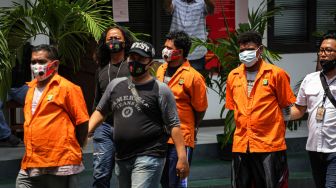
189,89
49,133
259,121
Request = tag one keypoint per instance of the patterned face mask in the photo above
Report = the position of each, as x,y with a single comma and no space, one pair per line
115,46
170,55
136,68
42,71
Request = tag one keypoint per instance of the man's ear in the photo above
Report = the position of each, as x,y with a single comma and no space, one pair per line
181,52
123,44
56,64
261,49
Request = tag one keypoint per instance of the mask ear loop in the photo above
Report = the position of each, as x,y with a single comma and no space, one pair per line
149,64
261,52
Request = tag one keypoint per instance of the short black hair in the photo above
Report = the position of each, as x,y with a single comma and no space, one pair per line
330,35
102,51
52,50
181,41
250,36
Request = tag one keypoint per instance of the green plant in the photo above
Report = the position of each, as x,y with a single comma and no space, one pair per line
5,67
227,52
69,25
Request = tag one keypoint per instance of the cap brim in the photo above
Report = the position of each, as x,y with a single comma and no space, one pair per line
140,52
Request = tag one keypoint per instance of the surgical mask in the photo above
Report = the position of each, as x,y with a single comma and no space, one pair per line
42,71
170,55
115,46
136,68
248,57
328,65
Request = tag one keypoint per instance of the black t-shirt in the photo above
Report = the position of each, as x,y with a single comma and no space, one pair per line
169,73
135,133
104,76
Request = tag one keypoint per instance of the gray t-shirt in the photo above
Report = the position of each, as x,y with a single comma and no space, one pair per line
138,133
250,77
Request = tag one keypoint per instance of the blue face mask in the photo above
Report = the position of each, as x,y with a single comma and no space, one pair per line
248,57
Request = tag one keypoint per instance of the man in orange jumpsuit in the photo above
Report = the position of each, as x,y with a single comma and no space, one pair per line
189,89
258,92
55,126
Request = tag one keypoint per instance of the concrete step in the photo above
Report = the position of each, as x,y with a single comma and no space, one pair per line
205,173
207,166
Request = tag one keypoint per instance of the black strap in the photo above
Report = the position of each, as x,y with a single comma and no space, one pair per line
327,90
144,108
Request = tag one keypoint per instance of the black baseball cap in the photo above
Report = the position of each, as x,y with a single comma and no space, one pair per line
143,48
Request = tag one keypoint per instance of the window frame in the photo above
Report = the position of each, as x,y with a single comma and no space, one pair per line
308,46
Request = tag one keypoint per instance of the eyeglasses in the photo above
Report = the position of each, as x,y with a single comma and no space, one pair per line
327,51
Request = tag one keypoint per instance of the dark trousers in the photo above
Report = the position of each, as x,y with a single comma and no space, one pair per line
169,178
260,170
323,168
103,156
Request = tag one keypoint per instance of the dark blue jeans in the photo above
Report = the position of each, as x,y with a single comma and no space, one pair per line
169,178
103,156
324,169
18,95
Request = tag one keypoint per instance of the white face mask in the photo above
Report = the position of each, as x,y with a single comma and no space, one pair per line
42,72
248,57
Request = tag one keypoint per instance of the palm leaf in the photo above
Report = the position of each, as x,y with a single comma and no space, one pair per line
5,68
81,19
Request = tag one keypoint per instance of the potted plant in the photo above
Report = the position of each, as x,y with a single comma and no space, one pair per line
226,50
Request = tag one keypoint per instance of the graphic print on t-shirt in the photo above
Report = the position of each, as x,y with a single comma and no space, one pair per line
126,105
250,84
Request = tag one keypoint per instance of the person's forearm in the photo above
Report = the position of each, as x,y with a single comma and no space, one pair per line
296,111
96,119
178,141
82,133
198,118
182,166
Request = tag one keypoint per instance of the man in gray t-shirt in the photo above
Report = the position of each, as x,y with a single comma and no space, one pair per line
144,114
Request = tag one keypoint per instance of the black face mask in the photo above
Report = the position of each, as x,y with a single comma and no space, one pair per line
136,68
328,65
115,46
